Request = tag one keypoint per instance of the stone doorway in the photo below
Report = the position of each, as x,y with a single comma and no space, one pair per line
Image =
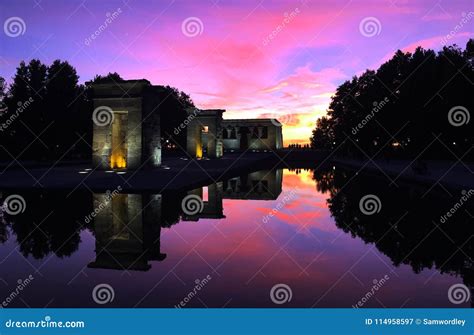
244,139
118,156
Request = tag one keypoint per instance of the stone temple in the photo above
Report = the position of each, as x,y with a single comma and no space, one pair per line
126,128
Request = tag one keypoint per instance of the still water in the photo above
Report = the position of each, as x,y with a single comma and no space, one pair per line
300,232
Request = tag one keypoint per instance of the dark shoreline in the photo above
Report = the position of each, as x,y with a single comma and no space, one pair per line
180,173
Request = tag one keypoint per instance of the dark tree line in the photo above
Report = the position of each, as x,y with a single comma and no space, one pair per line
62,219
45,114
397,110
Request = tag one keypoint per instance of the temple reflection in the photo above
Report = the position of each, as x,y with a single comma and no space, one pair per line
127,231
260,185
127,227
211,200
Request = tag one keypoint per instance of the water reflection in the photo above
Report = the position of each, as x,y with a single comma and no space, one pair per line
127,231
410,230
51,223
127,227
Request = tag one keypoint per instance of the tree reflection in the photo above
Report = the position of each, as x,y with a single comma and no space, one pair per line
408,228
51,223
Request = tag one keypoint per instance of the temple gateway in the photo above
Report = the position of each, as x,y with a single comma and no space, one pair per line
126,128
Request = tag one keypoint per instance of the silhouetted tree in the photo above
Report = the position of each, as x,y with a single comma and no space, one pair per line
109,78
173,113
62,102
405,225
400,108
3,89
51,223
48,114
22,137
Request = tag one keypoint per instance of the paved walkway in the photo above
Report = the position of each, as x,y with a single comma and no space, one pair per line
175,174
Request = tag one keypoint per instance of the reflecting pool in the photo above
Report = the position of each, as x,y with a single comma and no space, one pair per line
279,238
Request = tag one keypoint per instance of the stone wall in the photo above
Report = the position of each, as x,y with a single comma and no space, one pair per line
102,134
135,103
263,134
197,142
127,230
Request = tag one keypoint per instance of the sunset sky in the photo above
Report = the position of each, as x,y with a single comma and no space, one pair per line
254,58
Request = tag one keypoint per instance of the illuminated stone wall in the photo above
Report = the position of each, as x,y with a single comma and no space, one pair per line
132,139
204,134
261,134
127,230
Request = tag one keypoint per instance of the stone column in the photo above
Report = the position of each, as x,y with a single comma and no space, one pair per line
193,139
212,140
